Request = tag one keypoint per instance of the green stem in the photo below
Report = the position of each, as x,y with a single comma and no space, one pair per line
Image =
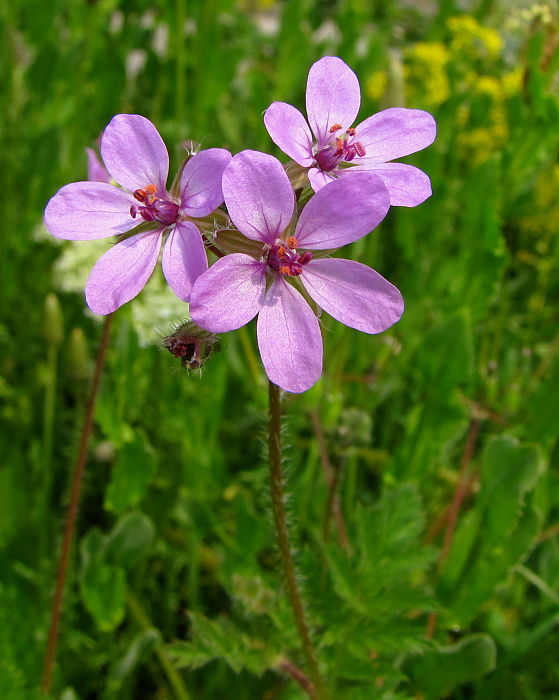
173,676
71,517
280,521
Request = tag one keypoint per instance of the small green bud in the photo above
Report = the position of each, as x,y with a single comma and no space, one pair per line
53,322
79,363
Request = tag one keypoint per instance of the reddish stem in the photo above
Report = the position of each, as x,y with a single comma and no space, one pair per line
71,516
333,507
462,489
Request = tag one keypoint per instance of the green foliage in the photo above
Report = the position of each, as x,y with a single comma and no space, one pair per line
439,432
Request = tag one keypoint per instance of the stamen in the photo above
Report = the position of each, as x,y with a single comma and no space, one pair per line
334,127
292,242
140,195
351,131
359,148
150,190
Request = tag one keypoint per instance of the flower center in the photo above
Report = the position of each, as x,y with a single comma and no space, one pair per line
154,209
342,147
284,258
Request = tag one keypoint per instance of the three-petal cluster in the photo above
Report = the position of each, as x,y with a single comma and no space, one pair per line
136,158
261,203
338,148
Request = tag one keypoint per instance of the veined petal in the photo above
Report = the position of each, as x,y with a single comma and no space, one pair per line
333,97
343,211
288,129
229,294
318,178
201,191
184,258
353,293
258,195
289,339
408,186
121,273
395,133
134,153
84,211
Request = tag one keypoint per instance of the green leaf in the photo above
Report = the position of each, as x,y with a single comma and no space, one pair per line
130,540
142,645
435,673
222,639
102,585
131,476
498,532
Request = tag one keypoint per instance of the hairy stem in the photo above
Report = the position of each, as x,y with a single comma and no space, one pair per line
280,521
71,516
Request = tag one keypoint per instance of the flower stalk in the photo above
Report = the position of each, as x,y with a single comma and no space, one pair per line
70,526
280,522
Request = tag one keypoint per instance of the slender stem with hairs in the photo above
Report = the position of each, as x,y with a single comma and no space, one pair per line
280,521
71,516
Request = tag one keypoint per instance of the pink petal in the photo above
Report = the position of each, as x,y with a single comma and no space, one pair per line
229,294
289,130
408,186
96,171
121,273
201,182
354,294
84,211
289,339
134,153
318,178
258,195
343,211
333,97
395,133
184,258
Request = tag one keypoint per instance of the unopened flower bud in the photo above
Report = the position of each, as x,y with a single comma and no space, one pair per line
192,344
53,323
79,364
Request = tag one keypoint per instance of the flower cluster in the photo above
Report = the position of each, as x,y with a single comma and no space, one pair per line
276,264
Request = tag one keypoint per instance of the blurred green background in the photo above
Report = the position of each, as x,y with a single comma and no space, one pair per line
443,431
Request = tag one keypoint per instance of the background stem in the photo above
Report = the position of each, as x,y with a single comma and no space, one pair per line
71,516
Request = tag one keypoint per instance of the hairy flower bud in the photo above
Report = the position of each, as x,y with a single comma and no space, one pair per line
192,344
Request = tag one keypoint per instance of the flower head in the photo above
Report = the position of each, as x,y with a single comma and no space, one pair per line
239,286
135,157
338,148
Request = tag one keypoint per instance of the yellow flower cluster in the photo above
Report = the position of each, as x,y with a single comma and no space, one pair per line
426,73
544,214
472,40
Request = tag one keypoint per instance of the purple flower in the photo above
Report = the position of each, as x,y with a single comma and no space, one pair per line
333,101
261,203
136,158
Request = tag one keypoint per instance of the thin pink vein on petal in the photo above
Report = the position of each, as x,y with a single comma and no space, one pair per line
184,258
333,97
353,293
288,129
134,153
343,211
395,133
408,186
122,272
289,339
258,195
201,191
85,211
229,294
